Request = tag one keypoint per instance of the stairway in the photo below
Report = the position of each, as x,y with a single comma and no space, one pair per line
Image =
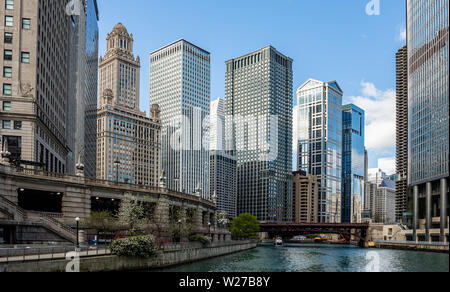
37,218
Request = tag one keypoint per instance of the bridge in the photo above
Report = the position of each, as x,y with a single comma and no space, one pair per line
360,231
38,206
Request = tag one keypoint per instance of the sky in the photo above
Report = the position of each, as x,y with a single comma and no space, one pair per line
328,40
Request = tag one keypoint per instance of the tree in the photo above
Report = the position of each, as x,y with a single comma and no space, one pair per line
131,213
100,222
244,226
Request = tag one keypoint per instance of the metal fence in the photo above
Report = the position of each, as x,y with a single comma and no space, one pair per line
24,254
412,243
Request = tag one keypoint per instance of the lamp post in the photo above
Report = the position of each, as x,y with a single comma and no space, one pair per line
209,226
117,164
179,229
78,239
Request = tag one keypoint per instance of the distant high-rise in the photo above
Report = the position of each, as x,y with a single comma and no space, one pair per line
217,125
353,163
402,203
83,80
223,178
306,198
36,113
320,142
180,82
128,143
384,202
428,114
259,97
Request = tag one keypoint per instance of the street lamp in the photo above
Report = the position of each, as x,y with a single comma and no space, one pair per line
179,229
116,164
78,239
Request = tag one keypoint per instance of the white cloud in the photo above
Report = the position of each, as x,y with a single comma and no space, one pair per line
402,34
380,117
387,165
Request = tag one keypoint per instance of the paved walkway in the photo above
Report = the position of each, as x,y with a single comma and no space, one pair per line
53,256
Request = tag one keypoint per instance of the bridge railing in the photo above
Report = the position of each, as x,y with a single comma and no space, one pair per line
412,243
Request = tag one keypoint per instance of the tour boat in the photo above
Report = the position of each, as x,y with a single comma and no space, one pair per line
279,241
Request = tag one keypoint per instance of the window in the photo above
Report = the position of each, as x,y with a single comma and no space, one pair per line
26,23
25,58
17,125
6,105
6,125
8,38
9,4
7,89
9,21
7,72
7,55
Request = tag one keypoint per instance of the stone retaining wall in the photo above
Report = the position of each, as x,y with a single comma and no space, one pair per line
187,254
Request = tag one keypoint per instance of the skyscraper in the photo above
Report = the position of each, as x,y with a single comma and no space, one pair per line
401,186
353,163
306,198
180,83
223,164
320,142
36,115
82,104
259,97
428,113
128,143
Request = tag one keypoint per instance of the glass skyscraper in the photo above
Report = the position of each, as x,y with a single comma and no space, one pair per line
428,114
319,146
259,98
180,83
353,160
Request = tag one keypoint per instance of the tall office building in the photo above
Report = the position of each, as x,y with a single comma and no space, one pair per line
384,202
376,176
306,198
217,125
35,112
428,114
224,182
320,142
128,143
353,163
180,83
82,104
259,96
401,186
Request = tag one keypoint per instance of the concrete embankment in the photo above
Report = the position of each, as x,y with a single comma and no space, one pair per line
176,255
413,246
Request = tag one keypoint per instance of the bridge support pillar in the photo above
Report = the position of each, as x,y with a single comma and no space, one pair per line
444,189
416,212
428,211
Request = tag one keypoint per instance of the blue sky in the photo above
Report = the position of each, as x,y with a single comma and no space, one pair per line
328,40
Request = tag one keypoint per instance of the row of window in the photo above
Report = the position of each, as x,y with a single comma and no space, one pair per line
6,125
9,22
24,56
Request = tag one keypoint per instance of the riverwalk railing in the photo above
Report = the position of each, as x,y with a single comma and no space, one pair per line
412,243
25,254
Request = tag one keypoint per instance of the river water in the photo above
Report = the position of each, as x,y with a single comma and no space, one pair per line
321,258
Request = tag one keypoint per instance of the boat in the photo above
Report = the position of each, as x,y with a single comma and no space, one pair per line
371,244
279,241
321,240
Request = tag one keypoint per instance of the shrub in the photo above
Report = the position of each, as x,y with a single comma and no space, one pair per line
200,238
245,226
138,246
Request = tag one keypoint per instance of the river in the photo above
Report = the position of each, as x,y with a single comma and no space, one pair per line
320,258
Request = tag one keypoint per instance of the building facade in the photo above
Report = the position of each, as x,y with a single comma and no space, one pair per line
402,198
258,90
180,84
428,114
306,198
319,146
224,182
35,115
83,58
217,125
128,143
384,203
353,163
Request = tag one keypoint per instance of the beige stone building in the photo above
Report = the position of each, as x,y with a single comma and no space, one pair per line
306,196
128,143
34,77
